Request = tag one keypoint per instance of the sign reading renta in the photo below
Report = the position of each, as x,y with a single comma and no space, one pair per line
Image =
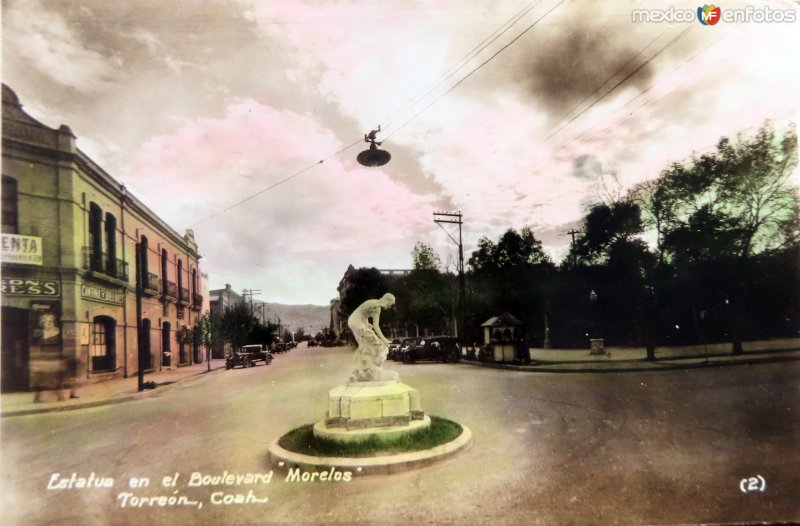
24,250
100,294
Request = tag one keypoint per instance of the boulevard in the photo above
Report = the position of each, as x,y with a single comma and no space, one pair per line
605,448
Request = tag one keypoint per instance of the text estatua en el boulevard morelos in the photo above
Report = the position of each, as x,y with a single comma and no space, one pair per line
228,488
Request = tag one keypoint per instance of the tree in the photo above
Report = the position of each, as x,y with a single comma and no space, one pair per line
237,324
263,333
510,275
513,249
425,258
756,186
719,219
364,284
734,202
604,227
209,329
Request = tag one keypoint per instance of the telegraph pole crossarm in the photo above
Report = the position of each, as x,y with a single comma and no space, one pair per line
455,218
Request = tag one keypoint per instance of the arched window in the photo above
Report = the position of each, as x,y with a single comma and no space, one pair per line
102,345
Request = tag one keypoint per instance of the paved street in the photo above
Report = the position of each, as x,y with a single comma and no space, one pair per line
625,448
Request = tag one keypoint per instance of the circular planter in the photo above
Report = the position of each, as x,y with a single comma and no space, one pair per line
379,464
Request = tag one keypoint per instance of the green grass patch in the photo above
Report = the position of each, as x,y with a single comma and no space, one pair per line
302,440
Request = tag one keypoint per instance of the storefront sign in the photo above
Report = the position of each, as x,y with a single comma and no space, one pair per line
30,287
92,292
23,250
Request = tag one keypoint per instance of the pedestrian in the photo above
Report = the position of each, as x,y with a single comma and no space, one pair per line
69,378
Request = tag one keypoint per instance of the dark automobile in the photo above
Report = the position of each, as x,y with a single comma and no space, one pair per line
401,348
437,348
394,348
313,343
247,356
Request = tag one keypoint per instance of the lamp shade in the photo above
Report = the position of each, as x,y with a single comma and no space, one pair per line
374,156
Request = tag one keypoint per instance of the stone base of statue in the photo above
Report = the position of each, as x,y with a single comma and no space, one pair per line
360,410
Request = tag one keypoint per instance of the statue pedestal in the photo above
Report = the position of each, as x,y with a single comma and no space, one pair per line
360,410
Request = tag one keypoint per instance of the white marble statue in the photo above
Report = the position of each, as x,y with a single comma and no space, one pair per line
373,346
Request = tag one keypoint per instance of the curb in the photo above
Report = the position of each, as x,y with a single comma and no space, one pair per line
579,367
166,386
388,464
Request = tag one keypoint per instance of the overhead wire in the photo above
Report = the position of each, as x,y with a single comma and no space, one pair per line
621,68
455,68
468,75
627,115
480,47
278,183
631,74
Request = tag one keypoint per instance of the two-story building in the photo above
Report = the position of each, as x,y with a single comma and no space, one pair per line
221,299
70,235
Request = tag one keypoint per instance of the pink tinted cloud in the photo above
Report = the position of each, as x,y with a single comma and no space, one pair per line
206,165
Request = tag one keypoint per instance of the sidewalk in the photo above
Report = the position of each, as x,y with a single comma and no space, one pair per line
666,358
101,393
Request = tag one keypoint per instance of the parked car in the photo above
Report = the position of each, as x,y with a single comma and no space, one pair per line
313,343
436,348
402,348
247,356
394,348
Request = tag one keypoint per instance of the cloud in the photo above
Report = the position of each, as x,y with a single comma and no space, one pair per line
207,165
565,67
586,167
42,40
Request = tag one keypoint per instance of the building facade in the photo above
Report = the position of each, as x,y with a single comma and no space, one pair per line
221,299
70,239
338,320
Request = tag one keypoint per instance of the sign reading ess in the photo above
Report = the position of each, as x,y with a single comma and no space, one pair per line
30,287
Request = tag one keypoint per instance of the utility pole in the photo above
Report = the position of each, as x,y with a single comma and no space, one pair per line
250,292
455,218
572,233
140,337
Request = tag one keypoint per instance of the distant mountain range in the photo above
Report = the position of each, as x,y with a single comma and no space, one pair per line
312,318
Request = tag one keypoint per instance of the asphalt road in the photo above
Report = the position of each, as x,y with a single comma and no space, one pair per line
612,448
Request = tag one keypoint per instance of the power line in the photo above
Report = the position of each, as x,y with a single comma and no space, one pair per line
270,187
601,85
583,136
464,60
468,75
632,73
481,46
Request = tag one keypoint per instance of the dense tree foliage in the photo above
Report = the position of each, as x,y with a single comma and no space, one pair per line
425,258
238,327
708,251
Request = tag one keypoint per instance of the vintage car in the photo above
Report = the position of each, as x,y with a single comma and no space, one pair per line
394,349
247,356
436,348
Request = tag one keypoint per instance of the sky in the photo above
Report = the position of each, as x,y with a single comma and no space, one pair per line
217,113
